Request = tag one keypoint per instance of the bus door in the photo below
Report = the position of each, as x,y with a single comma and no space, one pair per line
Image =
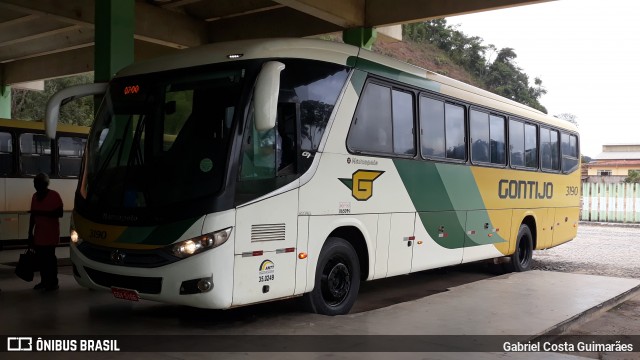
267,212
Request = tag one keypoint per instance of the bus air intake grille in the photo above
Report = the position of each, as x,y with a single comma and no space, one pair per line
127,257
144,285
267,232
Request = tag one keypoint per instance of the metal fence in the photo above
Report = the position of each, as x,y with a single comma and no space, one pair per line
611,202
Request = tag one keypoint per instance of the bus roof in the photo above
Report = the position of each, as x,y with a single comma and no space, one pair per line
39,125
341,54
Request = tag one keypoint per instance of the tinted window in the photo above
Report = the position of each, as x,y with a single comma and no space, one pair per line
454,120
383,122
372,128
479,123
549,149
497,137
569,152
35,154
432,127
6,153
516,142
70,151
403,139
531,146
273,158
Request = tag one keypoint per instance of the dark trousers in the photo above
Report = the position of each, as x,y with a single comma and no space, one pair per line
48,264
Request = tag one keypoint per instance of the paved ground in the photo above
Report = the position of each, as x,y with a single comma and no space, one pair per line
604,249
599,250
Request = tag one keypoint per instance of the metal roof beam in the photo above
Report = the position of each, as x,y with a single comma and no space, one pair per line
77,38
70,62
269,24
153,24
344,13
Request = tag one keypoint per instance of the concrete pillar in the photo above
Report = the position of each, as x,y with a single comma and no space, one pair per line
114,29
5,101
361,37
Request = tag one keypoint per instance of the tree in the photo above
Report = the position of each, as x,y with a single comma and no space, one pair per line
568,117
633,177
30,105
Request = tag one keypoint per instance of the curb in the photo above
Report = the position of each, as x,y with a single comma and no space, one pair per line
609,224
589,314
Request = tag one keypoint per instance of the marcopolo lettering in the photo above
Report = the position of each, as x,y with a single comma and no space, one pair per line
523,189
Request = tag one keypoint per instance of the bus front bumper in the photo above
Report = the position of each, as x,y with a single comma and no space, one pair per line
174,283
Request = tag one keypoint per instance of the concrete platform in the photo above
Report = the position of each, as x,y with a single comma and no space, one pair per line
529,304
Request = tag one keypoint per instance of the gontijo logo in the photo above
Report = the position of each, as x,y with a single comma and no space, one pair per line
361,183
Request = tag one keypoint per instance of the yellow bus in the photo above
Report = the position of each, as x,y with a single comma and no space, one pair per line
299,167
26,151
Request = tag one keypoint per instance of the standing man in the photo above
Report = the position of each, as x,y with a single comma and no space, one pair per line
44,231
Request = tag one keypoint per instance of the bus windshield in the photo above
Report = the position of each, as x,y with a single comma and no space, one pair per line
159,141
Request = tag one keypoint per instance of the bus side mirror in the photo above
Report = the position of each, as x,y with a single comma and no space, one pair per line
265,95
62,97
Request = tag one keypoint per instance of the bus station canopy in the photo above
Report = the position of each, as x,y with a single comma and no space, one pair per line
42,39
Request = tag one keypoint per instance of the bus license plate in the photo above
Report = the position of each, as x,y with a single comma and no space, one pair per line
125,294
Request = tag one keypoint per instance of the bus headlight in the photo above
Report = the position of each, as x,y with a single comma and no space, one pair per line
75,238
199,244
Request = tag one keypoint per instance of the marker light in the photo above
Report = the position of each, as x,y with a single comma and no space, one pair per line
199,244
234,56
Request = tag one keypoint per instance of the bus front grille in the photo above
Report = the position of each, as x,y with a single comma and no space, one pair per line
145,285
127,257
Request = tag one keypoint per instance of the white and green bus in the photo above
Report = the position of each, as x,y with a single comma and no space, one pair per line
244,172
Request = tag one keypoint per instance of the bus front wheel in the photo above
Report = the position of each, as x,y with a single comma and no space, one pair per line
337,279
521,258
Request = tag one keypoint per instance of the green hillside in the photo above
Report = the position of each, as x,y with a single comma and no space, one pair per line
442,48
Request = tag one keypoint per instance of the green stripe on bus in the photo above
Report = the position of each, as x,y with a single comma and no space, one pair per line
395,74
441,194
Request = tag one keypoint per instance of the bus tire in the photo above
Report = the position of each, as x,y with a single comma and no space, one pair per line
520,260
337,279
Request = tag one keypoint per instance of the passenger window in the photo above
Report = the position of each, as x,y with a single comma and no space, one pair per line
531,146
6,153
70,151
454,121
569,153
549,149
403,138
432,127
372,127
384,122
442,129
479,123
497,140
516,143
487,136
35,154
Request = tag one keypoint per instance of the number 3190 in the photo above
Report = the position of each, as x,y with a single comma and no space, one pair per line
572,191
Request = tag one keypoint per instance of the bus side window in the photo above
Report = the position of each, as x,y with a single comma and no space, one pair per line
70,151
549,149
384,122
35,154
6,153
569,152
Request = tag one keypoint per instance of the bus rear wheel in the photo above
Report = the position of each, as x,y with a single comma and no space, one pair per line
337,279
521,258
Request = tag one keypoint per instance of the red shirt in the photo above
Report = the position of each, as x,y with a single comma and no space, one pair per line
46,230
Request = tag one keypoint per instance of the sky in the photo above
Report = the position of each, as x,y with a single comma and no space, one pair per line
587,53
